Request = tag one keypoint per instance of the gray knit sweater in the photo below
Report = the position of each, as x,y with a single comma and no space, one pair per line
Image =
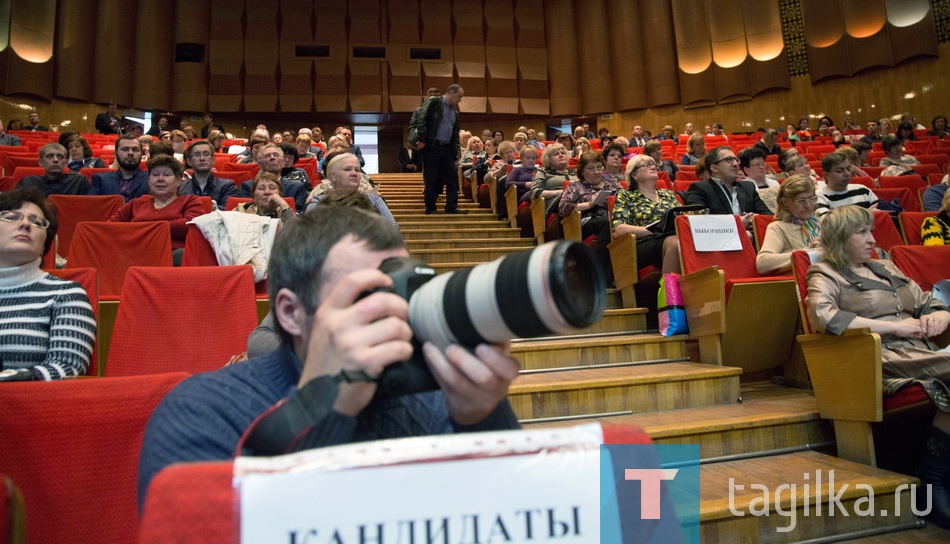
46,323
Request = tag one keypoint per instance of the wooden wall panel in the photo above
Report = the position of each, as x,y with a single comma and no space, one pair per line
330,85
729,51
114,53
154,56
74,51
532,58
696,80
562,58
226,56
403,76
296,75
501,55
192,25
629,50
595,68
436,29
261,56
469,55
368,91
658,43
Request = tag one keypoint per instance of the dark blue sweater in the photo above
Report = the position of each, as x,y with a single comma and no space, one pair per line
204,417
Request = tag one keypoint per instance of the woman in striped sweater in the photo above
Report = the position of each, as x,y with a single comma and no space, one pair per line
47,328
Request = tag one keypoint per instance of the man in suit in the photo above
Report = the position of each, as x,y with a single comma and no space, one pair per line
199,156
209,125
436,134
129,180
637,138
109,122
347,133
55,181
271,159
35,123
157,128
723,193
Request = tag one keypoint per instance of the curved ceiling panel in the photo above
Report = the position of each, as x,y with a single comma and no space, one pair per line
4,24
727,33
825,22
692,36
863,18
763,30
902,13
32,28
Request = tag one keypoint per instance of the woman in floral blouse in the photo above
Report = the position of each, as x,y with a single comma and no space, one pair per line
642,205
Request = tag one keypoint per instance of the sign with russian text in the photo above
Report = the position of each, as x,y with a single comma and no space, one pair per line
715,233
553,485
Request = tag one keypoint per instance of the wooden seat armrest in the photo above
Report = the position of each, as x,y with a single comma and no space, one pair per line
623,257
846,374
511,202
537,219
704,298
572,226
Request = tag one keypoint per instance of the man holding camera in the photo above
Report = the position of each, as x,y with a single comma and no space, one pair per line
335,344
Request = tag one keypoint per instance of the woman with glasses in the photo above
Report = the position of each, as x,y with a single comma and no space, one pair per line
47,328
641,205
588,195
613,157
795,226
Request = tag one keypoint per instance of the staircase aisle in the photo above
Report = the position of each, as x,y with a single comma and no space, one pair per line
617,372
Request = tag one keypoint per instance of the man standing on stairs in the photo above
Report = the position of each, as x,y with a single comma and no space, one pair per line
436,134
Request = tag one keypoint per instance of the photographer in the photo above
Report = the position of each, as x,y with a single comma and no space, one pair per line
320,267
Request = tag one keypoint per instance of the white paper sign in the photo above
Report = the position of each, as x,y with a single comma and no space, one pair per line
488,495
715,233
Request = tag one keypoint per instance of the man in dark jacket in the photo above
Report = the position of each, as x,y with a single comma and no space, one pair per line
723,193
436,134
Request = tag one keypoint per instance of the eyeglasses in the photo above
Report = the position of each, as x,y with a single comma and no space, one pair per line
727,159
202,155
810,201
11,216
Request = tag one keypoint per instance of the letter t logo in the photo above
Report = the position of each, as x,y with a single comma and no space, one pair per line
649,488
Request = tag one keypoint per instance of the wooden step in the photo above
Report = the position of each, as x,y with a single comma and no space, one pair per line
619,320
719,524
437,243
440,218
428,232
582,352
481,254
788,419
420,207
453,222
645,388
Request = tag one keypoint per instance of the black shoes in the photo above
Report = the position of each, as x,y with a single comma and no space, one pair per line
456,211
430,212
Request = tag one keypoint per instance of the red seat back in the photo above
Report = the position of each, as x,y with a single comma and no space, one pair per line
72,447
906,198
7,183
198,252
940,160
111,248
926,265
196,318
925,170
885,232
253,168
911,223
734,264
866,181
24,171
73,209
801,260
911,182
760,223
12,161
89,172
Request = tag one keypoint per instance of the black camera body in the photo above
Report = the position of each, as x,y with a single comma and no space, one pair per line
554,288
413,375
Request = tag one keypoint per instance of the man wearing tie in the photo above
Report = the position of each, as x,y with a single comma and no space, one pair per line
637,138
109,122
